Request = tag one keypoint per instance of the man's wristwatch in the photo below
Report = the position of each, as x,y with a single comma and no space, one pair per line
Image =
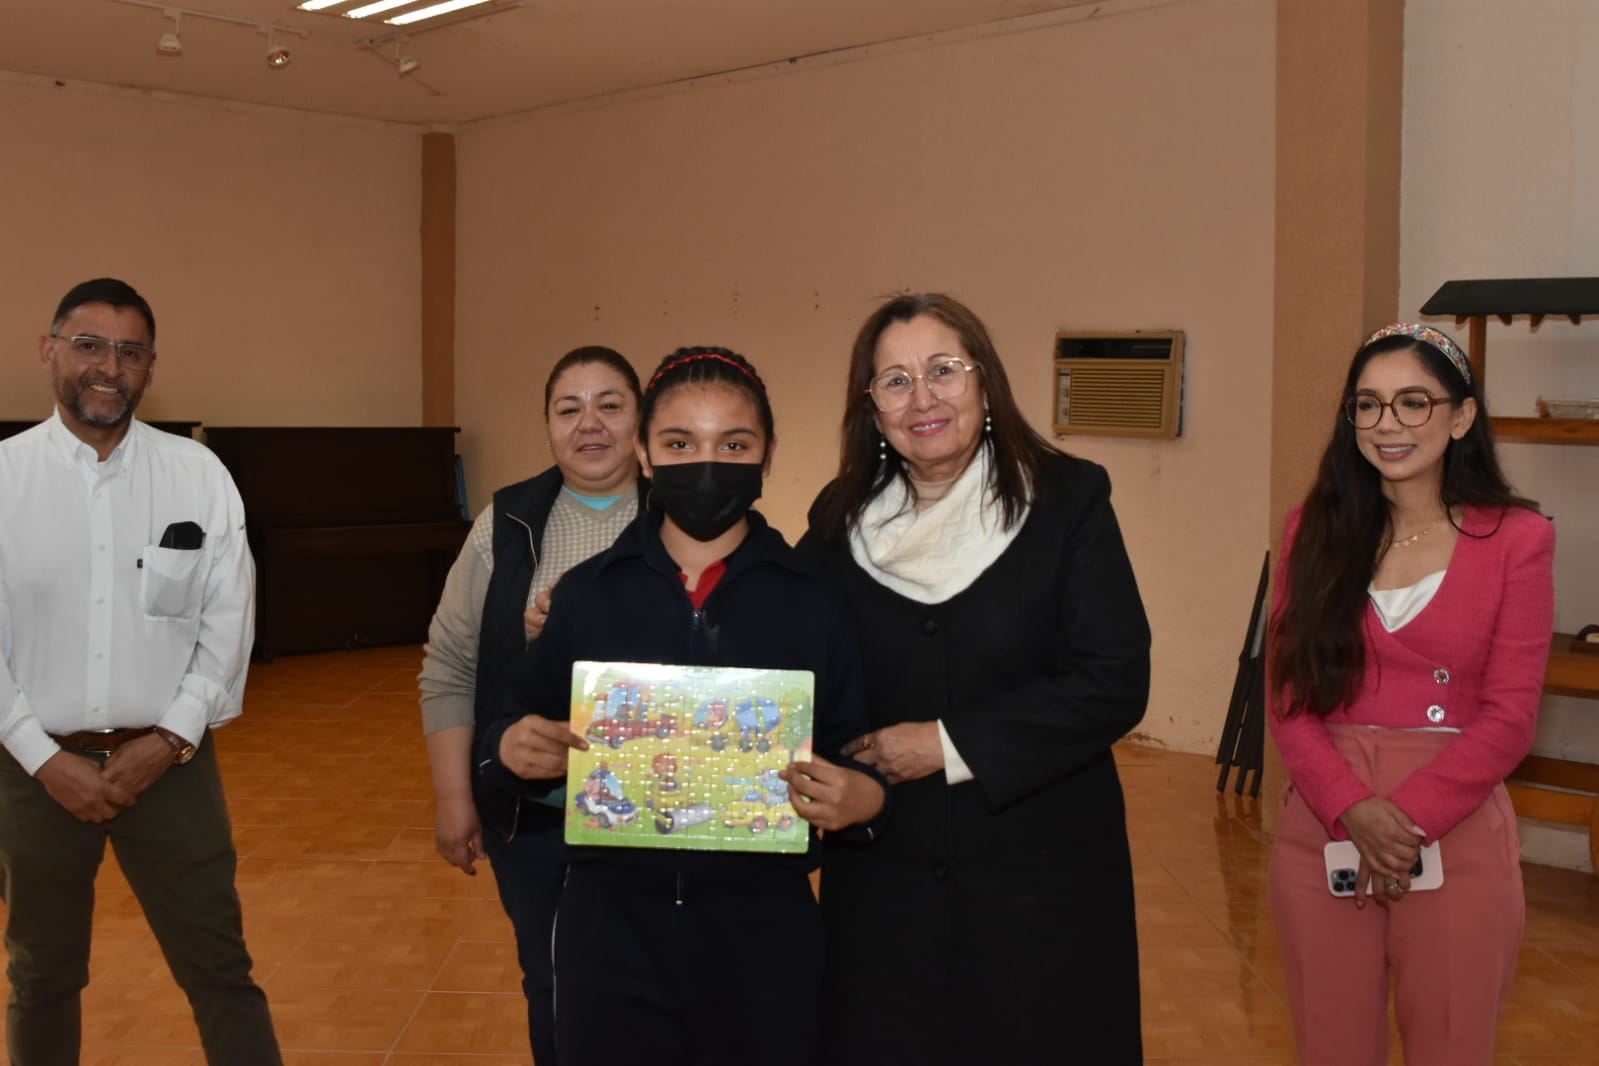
182,750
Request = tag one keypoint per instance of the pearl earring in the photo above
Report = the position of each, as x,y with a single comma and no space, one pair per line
988,424
882,449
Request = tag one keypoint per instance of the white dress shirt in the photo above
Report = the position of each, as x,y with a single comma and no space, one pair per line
100,627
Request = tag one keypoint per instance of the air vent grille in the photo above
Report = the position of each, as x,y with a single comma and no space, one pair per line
1118,396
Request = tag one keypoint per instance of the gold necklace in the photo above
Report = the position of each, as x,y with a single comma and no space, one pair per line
1422,532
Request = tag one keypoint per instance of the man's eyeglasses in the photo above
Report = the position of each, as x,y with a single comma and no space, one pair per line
1411,408
91,349
946,379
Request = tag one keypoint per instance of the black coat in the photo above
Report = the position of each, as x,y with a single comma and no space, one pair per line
993,922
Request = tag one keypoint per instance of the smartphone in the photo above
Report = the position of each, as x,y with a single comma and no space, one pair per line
1343,859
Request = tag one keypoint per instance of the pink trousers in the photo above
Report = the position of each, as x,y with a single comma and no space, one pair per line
1452,951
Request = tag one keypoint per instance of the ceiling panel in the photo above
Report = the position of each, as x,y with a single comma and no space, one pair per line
541,53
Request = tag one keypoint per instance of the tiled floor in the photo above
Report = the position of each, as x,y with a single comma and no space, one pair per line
375,953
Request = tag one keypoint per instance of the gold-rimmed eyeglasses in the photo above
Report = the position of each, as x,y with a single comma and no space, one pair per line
91,349
1411,408
946,379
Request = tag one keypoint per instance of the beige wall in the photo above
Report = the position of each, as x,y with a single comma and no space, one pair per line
1104,174
1110,172
279,250
1501,152
1339,100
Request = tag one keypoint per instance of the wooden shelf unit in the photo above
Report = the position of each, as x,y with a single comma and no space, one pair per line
1553,790
1561,790
1571,673
1546,430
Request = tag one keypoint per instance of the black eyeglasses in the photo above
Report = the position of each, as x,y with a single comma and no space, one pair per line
1411,408
92,349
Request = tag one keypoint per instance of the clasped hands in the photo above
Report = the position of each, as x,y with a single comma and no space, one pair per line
825,794
1389,844
96,793
908,751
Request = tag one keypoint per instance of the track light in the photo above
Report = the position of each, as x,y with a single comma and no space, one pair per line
171,44
277,56
404,64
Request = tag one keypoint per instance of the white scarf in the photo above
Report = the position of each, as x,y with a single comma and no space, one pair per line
929,556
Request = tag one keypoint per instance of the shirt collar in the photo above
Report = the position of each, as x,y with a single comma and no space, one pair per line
70,450
762,545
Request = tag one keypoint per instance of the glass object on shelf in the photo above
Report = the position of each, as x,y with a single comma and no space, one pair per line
1567,407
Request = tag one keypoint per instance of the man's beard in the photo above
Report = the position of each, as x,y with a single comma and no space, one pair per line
74,400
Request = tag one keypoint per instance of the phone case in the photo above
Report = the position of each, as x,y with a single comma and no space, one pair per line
1343,860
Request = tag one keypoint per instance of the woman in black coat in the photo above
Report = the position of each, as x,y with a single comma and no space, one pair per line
1006,650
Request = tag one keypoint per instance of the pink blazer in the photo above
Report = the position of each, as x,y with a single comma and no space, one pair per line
1473,659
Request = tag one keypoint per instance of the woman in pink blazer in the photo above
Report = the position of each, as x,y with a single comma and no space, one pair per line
1410,632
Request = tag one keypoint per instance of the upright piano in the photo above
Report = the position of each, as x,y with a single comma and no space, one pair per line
11,427
353,530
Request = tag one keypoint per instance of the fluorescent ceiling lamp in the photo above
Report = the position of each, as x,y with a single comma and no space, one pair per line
318,5
375,8
431,11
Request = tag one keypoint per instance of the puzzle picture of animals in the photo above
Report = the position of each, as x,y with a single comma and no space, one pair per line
687,756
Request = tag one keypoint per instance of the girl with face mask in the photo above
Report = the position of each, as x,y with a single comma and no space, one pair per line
669,939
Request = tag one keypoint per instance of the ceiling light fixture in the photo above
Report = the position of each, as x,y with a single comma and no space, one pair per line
377,7
422,15
404,64
171,43
432,11
277,57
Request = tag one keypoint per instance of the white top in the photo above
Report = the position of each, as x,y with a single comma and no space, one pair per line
100,628
1398,607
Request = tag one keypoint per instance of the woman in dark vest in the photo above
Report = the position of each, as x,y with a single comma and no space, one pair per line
519,547
1006,650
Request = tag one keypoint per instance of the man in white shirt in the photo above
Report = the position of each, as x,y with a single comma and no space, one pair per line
126,619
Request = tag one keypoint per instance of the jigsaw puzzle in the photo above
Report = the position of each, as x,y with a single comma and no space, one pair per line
687,756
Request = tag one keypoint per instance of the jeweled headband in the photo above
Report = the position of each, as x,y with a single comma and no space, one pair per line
1427,335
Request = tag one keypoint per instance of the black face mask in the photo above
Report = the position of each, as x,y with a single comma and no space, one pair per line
705,499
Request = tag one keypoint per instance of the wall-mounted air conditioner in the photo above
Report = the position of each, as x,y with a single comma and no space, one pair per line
1119,384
